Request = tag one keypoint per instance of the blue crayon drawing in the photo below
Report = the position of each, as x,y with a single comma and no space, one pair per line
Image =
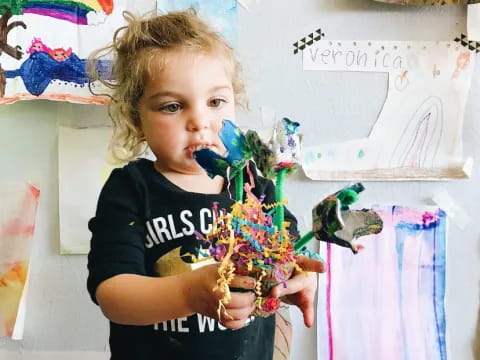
40,69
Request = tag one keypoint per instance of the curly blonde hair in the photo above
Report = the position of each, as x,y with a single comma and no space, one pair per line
137,50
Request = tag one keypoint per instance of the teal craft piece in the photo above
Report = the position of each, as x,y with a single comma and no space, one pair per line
238,151
291,127
237,155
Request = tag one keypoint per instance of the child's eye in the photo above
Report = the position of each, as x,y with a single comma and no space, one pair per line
216,102
171,108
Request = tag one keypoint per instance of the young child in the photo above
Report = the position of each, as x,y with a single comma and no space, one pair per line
175,81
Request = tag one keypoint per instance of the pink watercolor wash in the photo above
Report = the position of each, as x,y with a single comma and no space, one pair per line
17,224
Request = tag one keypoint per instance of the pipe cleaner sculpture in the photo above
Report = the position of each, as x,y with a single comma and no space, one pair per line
253,238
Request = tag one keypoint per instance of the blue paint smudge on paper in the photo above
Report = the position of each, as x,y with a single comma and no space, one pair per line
220,14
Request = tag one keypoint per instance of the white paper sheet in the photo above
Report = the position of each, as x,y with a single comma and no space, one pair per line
83,168
418,134
22,311
473,22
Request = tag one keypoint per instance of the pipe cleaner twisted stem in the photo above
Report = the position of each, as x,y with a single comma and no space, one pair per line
303,241
280,211
239,186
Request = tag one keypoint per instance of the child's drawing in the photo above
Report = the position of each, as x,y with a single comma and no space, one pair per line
418,134
388,301
17,223
424,132
46,44
220,14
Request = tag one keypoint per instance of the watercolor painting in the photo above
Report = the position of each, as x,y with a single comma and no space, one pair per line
45,46
418,133
17,224
388,301
220,14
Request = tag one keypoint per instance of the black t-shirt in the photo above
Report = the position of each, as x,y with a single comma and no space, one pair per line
142,225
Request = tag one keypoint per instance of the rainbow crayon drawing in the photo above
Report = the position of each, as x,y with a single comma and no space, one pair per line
72,11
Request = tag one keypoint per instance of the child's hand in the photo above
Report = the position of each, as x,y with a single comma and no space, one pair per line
300,290
202,299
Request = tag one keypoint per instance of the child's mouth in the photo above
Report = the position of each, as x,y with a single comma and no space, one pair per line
194,147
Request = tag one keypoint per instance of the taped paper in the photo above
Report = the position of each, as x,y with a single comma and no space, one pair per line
458,215
418,134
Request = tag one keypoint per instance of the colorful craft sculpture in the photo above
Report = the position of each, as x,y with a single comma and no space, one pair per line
253,238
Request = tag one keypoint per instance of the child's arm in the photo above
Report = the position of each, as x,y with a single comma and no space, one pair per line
131,299
118,280
301,288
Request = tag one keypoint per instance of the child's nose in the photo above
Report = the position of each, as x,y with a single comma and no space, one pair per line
198,120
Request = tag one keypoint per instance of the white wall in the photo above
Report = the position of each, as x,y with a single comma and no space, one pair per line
330,106
334,106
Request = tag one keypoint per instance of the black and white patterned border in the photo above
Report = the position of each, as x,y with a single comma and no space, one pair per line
308,40
470,45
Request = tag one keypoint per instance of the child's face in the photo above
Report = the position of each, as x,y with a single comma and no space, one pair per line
182,107
59,56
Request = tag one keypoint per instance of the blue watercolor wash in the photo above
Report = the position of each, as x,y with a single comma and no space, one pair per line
435,234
